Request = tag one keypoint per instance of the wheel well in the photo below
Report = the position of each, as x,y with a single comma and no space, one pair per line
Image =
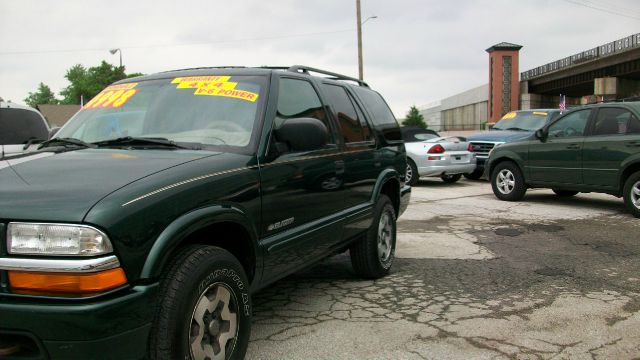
230,236
498,162
392,189
628,172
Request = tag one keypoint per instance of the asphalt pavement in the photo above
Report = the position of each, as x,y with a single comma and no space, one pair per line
474,278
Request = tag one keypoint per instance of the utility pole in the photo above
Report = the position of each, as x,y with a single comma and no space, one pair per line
359,19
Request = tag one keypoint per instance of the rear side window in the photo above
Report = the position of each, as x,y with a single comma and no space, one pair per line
611,121
353,126
17,126
381,116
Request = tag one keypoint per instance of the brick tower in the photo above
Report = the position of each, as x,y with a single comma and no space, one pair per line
504,86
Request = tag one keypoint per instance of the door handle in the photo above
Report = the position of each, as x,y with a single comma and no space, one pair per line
573,146
633,144
339,166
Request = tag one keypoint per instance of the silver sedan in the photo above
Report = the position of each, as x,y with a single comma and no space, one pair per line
429,154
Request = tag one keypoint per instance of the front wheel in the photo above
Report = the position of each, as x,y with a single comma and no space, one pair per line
507,182
205,309
373,255
475,175
450,179
631,194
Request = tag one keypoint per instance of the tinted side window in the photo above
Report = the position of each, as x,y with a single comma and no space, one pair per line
353,127
572,125
297,99
18,125
633,127
381,116
611,121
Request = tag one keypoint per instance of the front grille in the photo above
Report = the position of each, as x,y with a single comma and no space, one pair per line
482,148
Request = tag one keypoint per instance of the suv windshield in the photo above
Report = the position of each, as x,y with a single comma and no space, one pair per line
206,110
524,120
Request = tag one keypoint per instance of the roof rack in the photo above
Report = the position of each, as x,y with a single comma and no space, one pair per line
333,76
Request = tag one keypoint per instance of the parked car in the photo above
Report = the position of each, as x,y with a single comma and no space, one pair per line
429,154
595,148
21,127
514,126
143,227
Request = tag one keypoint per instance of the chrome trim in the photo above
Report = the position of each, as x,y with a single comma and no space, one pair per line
59,265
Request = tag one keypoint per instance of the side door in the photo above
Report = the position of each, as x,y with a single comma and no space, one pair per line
613,138
299,200
558,160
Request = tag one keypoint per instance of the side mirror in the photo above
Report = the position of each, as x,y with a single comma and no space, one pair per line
53,131
541,134
303,134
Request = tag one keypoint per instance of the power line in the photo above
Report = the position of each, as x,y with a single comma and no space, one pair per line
603,9
616,6
24,52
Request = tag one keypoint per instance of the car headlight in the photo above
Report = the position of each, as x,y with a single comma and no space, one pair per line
56,239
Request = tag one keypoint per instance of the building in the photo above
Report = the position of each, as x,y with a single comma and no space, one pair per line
607,72
58,115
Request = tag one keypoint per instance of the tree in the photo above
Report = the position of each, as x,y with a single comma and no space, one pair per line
414,118
43,95
87,83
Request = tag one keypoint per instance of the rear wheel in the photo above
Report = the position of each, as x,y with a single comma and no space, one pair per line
475,175
373,255
631,194
564,193
507,182
449,179
411,176
205,308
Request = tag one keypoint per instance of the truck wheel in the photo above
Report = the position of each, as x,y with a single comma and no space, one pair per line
450,179
205,309
631,194
475,175
564,193
373,255
411,176
507,182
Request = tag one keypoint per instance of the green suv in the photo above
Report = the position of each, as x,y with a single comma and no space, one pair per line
143,227
595,148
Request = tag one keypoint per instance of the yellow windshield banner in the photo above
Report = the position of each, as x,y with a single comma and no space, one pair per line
540,113
113,96
214,86
510,115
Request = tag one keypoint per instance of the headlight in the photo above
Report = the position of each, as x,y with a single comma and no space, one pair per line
56,239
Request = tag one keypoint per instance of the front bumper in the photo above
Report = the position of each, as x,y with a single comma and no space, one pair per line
113,326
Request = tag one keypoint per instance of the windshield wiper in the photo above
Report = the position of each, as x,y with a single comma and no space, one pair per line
32,140
131,140
65,142
517,129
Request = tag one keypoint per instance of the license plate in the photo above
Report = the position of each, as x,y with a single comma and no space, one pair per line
458,158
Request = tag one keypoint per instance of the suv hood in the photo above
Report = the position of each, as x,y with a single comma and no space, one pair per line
47,186
499,136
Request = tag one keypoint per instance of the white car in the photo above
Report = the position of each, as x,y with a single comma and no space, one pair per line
21,128
429,154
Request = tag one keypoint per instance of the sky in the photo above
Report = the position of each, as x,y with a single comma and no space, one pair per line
415,51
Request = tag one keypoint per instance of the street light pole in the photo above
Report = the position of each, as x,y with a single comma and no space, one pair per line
360,23
113,51
359,19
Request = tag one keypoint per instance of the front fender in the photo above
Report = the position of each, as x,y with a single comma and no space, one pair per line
505,155
174,234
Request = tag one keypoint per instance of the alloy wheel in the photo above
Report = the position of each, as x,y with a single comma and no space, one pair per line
214,324
635,194
385,229
505,181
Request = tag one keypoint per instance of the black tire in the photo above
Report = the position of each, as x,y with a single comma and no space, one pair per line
564,193
475,175
631,194
450,179
369,259
204,284
507,182
412,176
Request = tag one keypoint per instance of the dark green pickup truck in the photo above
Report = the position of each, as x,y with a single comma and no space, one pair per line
143,227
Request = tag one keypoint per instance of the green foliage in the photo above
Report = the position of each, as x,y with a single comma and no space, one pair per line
414,118
87,83
42,96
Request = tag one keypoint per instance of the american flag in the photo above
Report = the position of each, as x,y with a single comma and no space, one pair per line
563,103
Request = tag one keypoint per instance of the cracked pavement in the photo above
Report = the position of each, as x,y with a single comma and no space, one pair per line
474,277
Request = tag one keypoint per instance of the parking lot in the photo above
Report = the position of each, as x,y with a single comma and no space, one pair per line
474,277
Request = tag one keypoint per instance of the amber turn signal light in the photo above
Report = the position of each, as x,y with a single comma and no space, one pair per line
66,284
